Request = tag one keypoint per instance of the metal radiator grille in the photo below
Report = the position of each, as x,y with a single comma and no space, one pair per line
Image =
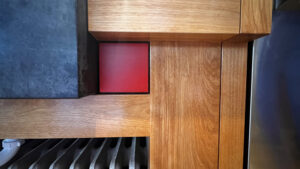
108,153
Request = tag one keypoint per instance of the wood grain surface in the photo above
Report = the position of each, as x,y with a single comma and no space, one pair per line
184,105
256,16
92,116
232,109
164,16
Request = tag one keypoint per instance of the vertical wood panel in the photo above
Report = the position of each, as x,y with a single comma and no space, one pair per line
232,108
184,105
256,16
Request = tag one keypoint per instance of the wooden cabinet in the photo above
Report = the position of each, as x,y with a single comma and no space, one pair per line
178,20
195,112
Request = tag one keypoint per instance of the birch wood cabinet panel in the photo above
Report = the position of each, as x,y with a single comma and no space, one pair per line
184,105
163,16
92,116
232,105
256,16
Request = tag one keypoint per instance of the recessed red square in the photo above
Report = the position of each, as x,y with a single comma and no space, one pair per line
124,67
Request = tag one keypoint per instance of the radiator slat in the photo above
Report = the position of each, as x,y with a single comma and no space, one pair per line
132,161
115,153
100,153
104,155
68,157
86,156
74,163
46,159
29,158
123,155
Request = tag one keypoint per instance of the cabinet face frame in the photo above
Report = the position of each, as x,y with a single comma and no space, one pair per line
232,105
151,115
184,104
88,117
164,16
137,116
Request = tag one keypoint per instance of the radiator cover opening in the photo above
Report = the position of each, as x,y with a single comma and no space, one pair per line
94,153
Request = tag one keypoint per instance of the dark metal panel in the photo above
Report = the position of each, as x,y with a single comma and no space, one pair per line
287,4
38,48
46,50
87,53
275,103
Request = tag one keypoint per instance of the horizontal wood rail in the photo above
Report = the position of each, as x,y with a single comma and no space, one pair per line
92,116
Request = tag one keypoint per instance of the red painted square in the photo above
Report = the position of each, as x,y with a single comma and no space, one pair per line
124,67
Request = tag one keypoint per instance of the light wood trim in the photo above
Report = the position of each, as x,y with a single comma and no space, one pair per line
92,116
164,16
184,105
232,109
256,16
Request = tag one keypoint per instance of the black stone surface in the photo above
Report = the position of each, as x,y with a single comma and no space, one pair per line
45,49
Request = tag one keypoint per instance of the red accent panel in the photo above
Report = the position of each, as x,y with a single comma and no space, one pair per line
124,67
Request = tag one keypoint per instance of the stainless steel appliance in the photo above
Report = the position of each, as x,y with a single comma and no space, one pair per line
274,136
